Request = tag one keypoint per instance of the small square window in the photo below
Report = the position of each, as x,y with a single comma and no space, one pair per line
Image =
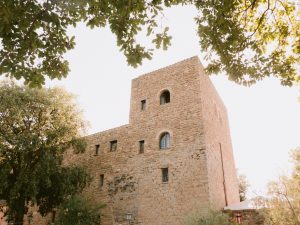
165,174
143,104
101,180
142,146
113,145
97,148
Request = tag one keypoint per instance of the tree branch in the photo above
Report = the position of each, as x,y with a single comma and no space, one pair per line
260,20
285,195
285,9
252,5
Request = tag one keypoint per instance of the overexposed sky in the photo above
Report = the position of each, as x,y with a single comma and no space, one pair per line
264,119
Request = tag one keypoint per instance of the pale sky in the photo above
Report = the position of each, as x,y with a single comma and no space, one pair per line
264,119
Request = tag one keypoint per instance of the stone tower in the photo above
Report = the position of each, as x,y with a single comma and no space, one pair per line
174,156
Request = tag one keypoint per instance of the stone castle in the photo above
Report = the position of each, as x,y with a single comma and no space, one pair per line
174,156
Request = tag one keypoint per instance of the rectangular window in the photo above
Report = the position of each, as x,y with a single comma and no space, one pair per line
113,146
142,146
165,174
97,148
143,104
101,180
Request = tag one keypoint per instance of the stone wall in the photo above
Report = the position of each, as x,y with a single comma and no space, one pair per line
223,183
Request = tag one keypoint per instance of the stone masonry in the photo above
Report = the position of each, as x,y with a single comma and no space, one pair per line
201,170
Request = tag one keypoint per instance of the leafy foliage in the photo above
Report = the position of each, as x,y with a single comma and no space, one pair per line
282,207
247,39
212,218
77,211
250,40
36,127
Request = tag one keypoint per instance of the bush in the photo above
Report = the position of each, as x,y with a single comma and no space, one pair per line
79,211
212,218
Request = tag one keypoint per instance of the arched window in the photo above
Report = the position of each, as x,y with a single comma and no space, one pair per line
165,97
164,141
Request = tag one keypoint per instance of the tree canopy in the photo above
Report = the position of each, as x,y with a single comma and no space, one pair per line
243,186
246,39
36,127
283,202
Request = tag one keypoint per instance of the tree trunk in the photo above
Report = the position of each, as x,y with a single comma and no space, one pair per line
19,215
19,218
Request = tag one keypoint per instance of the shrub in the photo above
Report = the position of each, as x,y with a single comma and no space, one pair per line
212,218
79,211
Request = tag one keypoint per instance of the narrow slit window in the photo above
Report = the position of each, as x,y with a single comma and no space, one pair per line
143,104
97,149
142,146
113,145
165,174
101,180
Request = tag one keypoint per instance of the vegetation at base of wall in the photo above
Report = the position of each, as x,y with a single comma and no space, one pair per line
78,211
37,126
211,218
246,39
